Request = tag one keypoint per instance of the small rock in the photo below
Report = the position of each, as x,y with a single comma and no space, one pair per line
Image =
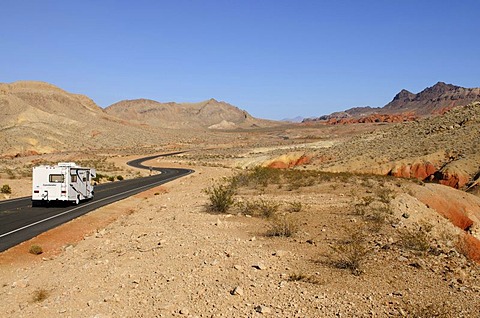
184,311
237,291
259,266
280,253
263,309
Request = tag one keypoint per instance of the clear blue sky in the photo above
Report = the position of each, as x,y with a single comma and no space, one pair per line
273,58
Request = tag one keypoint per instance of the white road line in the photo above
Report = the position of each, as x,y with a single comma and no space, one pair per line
76,208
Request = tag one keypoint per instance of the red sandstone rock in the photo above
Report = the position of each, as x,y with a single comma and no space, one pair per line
418,170
471,247
452,179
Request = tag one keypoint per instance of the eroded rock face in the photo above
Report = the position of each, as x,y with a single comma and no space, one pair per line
418,170
461,208
471,247
455,174
288,161
454,179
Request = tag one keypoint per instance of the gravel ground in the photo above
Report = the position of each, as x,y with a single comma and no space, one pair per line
160,254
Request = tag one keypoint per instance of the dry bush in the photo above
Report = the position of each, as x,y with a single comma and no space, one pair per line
378,216
300,277
221,197
256,177
40,295
262,208
295,206
385,195
283,226
352,253
35,249
362,207
417,240
6,189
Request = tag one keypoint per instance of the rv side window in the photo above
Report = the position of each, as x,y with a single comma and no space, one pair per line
74,177
57,178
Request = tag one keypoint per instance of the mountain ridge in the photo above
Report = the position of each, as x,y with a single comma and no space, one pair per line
406,105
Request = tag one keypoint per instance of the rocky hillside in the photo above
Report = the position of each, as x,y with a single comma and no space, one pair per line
407,106
442,148
207,114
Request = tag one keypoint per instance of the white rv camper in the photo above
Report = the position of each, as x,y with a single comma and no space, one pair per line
63,182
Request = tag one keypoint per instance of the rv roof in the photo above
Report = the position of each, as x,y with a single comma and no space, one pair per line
67,164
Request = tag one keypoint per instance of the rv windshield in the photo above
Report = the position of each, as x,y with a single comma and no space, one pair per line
56,178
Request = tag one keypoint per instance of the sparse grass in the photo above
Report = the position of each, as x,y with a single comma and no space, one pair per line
352,253
40,295
221,197
283,226
6,189
35,249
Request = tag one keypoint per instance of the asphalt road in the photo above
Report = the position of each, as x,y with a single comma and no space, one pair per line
19,221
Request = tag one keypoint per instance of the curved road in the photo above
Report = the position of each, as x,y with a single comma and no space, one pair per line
19,221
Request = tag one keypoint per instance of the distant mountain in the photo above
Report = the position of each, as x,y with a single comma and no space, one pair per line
211,114
407,105
38,117
432,100
297,119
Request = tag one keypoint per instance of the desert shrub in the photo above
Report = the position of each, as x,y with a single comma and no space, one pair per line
300,277
35,250
119,178
259,177
351,254
295,206
377,216
417,240
221,197
385,195
295,277
362,207
40,295
10,173
6,189
284,226
111,178
262,208
98,177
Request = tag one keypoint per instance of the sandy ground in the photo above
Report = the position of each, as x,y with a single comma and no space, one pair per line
160,254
